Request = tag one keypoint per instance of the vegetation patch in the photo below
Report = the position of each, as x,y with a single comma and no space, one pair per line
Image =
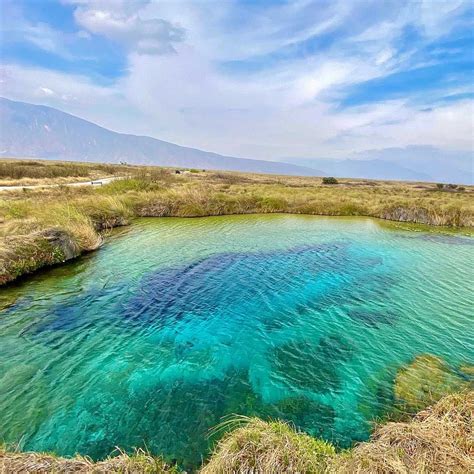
267,447
426,380
438,439
139,462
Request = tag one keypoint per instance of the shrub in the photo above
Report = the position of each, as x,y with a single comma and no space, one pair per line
440,185
330,180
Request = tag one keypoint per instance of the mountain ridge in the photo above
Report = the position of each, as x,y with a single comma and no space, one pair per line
40,131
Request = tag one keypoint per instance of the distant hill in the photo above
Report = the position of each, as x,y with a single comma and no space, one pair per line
28,130
412,163
369,169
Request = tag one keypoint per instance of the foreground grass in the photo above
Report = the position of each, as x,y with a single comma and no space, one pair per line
79,216
138,462
268,447
438,439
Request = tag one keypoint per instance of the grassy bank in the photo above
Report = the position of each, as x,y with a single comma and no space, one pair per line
438,439
79,216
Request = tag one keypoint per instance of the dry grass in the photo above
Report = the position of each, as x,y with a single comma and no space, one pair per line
257,446
12,462
439,439
14,172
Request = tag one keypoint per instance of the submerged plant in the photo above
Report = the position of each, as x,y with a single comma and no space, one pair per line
426,380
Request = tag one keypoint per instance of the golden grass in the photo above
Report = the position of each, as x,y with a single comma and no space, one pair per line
12,462
27,172
439,439
257,446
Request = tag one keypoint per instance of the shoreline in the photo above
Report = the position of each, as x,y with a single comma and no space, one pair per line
55,246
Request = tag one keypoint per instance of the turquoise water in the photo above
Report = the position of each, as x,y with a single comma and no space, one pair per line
175,323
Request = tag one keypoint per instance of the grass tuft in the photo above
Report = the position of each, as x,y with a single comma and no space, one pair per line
439,439
267,447
139,461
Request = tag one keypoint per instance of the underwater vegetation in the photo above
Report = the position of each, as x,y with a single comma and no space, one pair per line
427,379
437,439
312,366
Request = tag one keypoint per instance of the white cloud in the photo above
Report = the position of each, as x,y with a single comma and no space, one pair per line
287,107
121,21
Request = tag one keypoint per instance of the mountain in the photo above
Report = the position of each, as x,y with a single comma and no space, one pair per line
29,130
369,169
411,163
446,166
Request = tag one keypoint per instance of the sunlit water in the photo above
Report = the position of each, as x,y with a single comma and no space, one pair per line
175,323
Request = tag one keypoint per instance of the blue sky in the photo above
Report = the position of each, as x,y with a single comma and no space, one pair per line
265,79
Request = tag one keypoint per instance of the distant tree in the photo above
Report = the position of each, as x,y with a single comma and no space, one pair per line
330,180
440,185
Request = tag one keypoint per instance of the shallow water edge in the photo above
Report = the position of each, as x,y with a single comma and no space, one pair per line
54,247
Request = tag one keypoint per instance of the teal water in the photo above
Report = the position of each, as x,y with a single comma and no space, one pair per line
175,323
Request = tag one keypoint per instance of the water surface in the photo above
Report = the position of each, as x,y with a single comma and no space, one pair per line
176,323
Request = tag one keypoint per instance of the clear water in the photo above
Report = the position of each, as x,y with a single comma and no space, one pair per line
176,323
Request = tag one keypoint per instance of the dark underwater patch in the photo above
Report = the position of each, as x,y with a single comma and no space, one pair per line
439,238
312,417
372,318
216,283
305,365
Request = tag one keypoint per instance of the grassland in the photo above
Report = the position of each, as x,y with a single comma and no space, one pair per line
44,226
37,172
438,439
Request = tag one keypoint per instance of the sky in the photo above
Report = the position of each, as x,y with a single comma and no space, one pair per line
267,79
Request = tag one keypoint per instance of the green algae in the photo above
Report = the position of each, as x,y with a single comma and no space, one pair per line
426,380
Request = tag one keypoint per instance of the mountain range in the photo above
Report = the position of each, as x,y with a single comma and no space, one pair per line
28,130
38,131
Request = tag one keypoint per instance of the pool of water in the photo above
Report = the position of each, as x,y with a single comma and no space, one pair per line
176,323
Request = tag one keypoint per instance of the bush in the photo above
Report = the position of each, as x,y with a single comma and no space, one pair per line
330,180
440,185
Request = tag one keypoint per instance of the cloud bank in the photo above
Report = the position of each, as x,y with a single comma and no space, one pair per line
263,80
